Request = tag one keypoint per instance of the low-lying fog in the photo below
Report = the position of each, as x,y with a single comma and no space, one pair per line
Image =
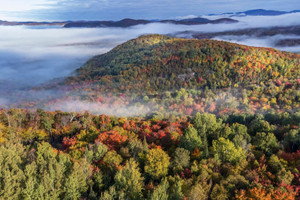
30,56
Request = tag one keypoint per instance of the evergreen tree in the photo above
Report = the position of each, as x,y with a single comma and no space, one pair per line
266,142
161,191
191,140
181,158
225,150
130,181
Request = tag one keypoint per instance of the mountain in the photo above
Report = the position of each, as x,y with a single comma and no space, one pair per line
132,22
122,23
154,63
256,12
261,12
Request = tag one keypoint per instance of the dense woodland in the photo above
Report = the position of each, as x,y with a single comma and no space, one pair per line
212,120
59,155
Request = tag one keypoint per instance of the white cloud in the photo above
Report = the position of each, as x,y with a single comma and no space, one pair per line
99,108
24,5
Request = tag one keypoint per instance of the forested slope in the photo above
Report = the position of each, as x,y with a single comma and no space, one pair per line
158,62
182,76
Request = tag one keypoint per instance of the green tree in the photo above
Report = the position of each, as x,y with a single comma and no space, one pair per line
157,163
207,123
266,142
161,191
225,150
135,147
240,137
51,172
110,194
284,176
190,140
199,191
208,128
292,140
259,125
219,193
275,164
77,181
235,182
130,181
175,190
95,152
31,182
12,176
181,158
112,159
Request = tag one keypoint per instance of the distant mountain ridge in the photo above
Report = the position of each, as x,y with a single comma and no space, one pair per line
124,23
259,12
132,22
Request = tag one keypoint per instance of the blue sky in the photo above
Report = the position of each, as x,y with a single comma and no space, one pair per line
118,9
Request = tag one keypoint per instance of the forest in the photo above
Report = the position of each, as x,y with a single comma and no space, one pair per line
61,155
212,120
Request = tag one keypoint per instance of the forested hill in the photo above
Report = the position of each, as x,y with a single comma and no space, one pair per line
159,63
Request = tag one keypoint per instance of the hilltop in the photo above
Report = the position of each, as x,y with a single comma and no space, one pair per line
157,62
185,76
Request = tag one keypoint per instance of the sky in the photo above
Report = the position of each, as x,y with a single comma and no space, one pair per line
51,10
